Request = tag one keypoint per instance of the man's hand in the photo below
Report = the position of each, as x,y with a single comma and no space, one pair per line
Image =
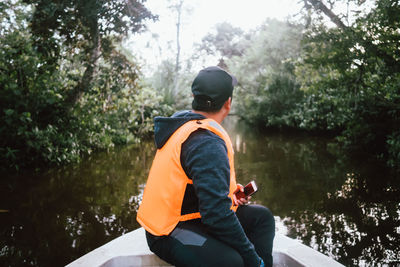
241,201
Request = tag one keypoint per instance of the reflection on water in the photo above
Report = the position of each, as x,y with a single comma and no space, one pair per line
346,208
58,216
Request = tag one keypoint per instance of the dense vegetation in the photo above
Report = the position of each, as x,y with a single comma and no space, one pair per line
67,86
340,79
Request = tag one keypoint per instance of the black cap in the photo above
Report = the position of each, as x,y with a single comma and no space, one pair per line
211,88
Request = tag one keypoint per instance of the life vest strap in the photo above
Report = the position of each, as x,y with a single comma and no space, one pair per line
190,216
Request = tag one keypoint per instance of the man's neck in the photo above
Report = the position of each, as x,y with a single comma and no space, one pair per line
217,116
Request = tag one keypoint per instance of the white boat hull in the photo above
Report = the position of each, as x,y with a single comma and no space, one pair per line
131,250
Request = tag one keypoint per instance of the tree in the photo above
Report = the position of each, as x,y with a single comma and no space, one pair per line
226,41
55,105
357,70
319,6
178,8
87,28
268,90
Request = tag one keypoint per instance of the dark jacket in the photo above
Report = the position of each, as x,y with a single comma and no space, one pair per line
204,159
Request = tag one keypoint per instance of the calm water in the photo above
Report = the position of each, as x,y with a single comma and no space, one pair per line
344,207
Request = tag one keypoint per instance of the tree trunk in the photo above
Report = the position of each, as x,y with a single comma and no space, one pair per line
178,46
318,5
91,66
367,44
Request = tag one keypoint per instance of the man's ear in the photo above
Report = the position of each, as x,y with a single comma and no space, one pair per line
228,103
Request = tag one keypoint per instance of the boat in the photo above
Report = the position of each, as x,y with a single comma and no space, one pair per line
131,250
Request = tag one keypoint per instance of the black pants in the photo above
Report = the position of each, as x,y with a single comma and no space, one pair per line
190,244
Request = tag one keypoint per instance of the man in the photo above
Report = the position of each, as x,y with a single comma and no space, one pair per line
189,209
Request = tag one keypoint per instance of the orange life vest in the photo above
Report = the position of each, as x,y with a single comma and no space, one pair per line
160,210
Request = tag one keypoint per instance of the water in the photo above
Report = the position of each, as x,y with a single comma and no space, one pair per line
347,208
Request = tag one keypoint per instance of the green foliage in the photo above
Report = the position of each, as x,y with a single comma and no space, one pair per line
83,30
225,42
162,80
39,124
28,130
78,24
393,143
343,80
354,74
268,91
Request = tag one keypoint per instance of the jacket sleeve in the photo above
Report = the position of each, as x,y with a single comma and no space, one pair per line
205,160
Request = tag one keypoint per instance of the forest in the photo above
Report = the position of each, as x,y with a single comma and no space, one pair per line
69,86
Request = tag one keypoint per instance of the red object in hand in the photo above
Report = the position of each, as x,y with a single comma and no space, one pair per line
249,189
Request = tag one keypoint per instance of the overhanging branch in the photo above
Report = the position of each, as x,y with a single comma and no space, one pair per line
319,5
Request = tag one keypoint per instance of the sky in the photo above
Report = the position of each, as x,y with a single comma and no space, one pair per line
198,19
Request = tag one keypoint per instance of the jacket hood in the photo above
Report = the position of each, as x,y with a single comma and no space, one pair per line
164,127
